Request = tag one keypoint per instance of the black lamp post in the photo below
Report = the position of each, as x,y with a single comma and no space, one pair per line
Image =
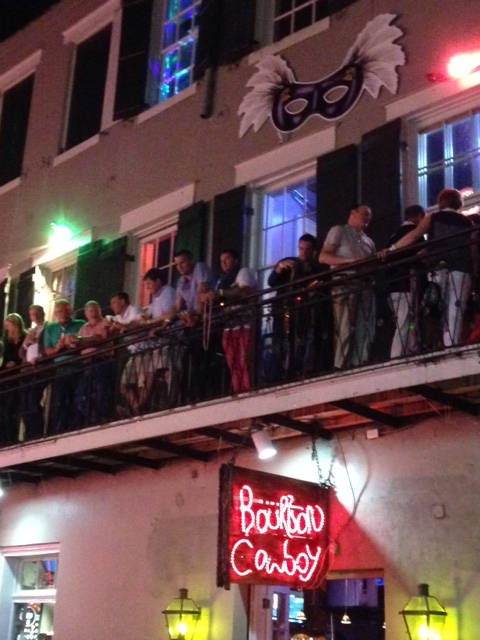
181,617
424,616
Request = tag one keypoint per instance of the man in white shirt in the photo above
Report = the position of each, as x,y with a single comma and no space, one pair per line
151,357
353,301
235,283
126,315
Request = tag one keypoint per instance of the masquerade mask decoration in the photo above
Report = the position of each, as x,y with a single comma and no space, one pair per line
370,64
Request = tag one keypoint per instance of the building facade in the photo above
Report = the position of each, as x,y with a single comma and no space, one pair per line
131,129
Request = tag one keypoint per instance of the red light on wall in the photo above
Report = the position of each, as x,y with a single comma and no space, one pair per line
463,64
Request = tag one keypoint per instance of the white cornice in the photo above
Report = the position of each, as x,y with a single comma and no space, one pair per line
20,71
91,23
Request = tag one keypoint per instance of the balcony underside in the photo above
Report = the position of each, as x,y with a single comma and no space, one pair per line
385,396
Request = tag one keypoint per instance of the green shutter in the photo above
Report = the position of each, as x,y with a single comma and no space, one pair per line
191,230
100,272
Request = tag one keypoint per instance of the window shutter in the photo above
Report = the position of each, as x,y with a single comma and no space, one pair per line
100,272
191,230
15,109
229,216
25,291
380,171
3,285
12,295
238,30
209,35
226,32
86,103
133,58
337,188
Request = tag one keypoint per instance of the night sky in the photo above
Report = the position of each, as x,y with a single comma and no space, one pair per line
15,14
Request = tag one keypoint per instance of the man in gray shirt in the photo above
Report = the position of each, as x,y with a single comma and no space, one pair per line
353,300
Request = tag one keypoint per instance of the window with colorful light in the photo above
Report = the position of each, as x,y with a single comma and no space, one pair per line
172,68
449,157
287,213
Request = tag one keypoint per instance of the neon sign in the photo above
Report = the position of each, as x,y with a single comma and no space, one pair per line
273,529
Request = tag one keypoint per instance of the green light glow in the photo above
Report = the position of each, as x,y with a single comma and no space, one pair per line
60,234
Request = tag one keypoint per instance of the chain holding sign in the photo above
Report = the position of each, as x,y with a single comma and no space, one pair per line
272,530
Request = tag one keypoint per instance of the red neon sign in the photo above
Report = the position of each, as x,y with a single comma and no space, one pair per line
273,530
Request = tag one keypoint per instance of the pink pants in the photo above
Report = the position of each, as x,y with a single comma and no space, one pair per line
236,345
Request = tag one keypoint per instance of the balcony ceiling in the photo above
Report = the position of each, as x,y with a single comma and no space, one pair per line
113,448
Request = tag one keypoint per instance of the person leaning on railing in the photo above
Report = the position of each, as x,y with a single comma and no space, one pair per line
149,359
353,299
10,396
58,339
31,406
234,284
456,267
404,288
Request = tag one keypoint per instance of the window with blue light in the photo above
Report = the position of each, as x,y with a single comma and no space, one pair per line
171,65
449,157
287,214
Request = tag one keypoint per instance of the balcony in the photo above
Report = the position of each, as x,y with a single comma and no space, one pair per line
279,359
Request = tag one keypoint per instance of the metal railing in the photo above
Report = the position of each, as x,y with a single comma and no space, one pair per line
406,304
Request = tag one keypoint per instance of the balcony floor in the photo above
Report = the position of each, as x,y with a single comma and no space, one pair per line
386,396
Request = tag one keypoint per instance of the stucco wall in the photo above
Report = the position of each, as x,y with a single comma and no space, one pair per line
135,163
128,542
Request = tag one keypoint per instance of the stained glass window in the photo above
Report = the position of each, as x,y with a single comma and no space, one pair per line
171,69
449,157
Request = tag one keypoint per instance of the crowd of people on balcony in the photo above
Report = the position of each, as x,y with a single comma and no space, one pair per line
324,316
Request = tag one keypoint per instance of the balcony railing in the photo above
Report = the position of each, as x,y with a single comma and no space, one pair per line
410,303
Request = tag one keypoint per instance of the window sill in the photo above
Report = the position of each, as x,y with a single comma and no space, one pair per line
11,184
78,148
294,38
163,106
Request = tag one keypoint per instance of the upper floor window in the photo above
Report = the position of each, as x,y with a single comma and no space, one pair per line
449,157
286,214
88,88
14,113
172,58
290,16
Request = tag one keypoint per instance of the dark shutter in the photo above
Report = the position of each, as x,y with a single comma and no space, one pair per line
3,285
337,188
25,291
191,230
133,58
100,272
225,33
13,128
380,171
86,103
238,30
229,215
207,48
12,295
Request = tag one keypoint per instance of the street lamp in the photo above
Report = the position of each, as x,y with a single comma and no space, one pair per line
181,617
424,616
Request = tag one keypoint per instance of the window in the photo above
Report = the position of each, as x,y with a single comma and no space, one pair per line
88,88
173,51
156,252
286,214
31,581
290,16
449,157
14,112
321,613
